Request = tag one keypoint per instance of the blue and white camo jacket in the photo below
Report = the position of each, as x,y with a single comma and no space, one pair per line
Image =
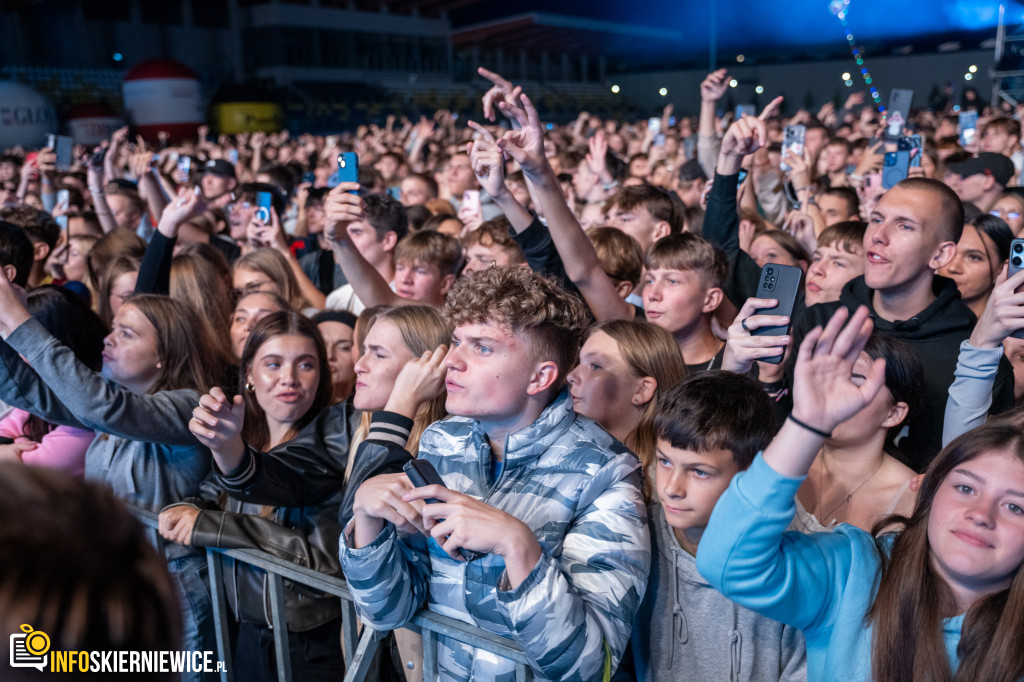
579,490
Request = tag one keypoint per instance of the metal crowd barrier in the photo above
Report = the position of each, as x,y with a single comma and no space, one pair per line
359,649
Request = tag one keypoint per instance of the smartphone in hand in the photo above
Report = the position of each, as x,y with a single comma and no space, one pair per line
782,283
422,473
1015,266
264,202
61,146
792,141
348,168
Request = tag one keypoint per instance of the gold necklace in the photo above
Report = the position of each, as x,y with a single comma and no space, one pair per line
845,500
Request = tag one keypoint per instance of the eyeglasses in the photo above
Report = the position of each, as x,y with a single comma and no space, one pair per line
999,213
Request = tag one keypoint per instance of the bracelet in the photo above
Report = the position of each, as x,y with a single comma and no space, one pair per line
797,190
817,432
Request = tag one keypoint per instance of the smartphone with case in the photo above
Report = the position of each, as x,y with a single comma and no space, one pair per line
1015,266
872,183
348,169
748,109
263,204
61,146
782,283
792,141
898,113
185,164
895,168
422,473
63,198
968,127
471,201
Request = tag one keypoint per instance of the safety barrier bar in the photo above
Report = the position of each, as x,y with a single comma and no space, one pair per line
358,650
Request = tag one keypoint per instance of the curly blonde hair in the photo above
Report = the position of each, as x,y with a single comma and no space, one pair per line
531,304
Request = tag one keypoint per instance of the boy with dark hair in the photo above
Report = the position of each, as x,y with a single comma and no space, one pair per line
913,232
709,428
15,253
560,547
44,233
644,212
424,263
837,204
363,233
491,244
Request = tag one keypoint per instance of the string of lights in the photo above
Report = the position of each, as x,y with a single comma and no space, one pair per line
841,9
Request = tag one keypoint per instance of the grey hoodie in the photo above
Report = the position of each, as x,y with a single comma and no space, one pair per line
685,630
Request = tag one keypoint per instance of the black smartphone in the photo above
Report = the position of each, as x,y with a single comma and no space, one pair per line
96,160
898,113
263,204
1015,266
895,168
792,141
781,282
61,145
348,168
421,473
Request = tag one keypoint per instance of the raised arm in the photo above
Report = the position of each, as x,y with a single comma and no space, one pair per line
343,209
582,266
970,394
745,552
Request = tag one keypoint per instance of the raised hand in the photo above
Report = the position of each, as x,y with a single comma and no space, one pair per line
186,206
712,88
745,136
217,421
341,208
526,145
501,91
823,394
486,159
1003,314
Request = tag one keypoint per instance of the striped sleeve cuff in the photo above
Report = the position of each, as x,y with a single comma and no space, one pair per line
247,471
390,427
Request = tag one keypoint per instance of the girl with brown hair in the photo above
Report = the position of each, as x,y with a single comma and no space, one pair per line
942,600
624,366
284,399
154,366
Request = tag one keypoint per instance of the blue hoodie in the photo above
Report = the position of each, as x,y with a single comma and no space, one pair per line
822,583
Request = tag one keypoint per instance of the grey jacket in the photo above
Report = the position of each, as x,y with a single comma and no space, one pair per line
143,448
578,489
686,630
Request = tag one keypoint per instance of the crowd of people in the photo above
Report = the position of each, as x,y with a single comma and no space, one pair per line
646,472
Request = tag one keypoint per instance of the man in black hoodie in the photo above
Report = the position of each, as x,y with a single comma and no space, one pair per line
912,232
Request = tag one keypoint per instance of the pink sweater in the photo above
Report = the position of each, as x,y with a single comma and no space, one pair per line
63,448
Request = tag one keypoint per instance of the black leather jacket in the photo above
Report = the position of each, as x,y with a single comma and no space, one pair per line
297,524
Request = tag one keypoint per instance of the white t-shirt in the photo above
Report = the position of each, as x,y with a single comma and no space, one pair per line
344,298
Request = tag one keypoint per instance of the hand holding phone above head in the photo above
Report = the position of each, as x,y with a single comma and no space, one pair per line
341,208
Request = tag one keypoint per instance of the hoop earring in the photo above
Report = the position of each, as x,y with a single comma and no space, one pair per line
250,387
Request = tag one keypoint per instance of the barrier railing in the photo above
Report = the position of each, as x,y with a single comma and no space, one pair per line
359,649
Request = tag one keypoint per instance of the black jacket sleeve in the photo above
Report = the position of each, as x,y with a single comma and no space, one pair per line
155,271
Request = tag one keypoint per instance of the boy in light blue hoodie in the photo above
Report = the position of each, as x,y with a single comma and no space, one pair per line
709,428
